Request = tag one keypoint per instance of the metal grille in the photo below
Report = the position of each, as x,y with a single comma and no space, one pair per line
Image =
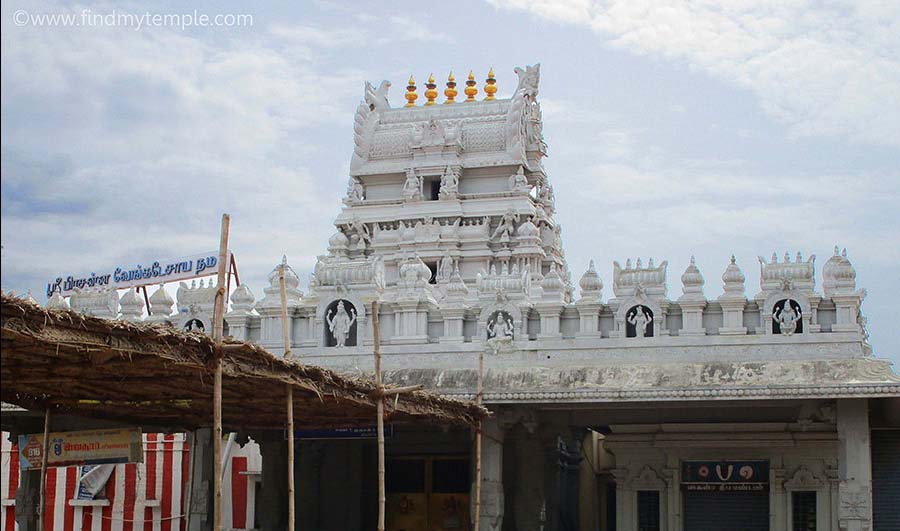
804,510
648,510
726,511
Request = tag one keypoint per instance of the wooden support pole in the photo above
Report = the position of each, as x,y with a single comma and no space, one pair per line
476,521
286,338
379,408
44,452
217,332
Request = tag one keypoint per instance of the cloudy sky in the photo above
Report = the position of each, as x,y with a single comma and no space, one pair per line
675,128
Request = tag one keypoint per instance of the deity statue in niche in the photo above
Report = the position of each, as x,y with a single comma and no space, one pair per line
787,318
339,324
502,327
641,319
507,226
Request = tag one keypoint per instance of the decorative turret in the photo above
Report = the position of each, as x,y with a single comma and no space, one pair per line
490,86
450,92
733,300
132,305
411,95
692,301
471,89
272,297
552,284
161,305
733,280
838,274
242,300
30,298
338,244
57,302
591,284
839,283
692,282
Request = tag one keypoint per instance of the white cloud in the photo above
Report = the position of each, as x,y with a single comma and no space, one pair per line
829,69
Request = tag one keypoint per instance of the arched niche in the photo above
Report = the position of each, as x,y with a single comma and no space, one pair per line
194,324
768,308
635,316
341,321
490,310
789,305
500,323
626,310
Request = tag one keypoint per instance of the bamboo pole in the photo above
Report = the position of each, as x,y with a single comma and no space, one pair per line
476,521
285,335
217,332
44,451
379,408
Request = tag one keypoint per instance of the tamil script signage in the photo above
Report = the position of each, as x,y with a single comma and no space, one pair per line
93,447
140,274
725,476
360,432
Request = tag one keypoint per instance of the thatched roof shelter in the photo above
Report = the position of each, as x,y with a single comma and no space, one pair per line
155,375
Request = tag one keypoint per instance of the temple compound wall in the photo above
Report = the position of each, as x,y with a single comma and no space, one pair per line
615,406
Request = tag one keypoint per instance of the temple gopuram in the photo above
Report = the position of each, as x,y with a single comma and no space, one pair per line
615,407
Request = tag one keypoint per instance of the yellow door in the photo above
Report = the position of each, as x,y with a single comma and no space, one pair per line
427,493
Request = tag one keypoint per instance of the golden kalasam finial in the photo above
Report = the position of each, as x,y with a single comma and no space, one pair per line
471,90
451,91
431,90
490,86
411,95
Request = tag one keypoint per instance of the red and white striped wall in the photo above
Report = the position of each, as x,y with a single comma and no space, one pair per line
148,496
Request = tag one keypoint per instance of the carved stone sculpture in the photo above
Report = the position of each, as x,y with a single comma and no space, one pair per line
339,323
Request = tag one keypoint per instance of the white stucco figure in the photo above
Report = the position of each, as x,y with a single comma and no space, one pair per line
518,182
641,320
507,226
355,190
339,325
412,188
787,318
445,268
449,184
501,327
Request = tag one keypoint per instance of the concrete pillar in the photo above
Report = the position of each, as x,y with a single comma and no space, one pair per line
271,506
201,495
492,503
589,494
527,489
855,465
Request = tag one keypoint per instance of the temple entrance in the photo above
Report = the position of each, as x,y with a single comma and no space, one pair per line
726,511
725,495
427,493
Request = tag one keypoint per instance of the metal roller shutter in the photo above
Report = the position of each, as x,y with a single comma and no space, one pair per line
726,511
886,479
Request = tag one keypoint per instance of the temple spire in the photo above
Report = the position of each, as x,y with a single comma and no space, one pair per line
471,88
490,86
450,92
